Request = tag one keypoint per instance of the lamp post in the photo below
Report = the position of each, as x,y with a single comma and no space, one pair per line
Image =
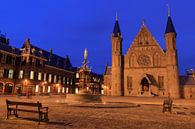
44,86
26,84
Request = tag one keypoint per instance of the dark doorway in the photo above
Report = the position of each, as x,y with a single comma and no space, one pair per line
8,88
145,85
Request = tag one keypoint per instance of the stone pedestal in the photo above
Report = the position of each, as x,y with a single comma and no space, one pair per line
83,97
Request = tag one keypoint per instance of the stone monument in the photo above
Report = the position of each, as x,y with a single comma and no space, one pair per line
85,94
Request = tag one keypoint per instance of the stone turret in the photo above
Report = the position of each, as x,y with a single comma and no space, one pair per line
171,59
117,59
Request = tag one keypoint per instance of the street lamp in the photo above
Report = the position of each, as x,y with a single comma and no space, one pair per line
26,82
44,86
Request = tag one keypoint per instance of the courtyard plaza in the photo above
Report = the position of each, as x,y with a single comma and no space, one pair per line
147,114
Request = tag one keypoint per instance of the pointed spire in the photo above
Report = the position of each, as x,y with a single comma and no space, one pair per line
27,40
170,27
116,31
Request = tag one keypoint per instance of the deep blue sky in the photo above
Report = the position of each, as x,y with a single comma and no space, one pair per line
70,26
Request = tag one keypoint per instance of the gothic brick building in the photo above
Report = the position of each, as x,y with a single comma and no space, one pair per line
146,69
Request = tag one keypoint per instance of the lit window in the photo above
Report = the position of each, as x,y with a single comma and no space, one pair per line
45,74
59,90
77,75
67,80
21,73
37,88
43,89
63,90
11,74
76,90
64,80
32,75
49,89
1,72
66,90
55,79
39,76
71,80
50,77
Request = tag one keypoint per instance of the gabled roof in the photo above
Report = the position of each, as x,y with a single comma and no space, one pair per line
10,49
144,38
170,27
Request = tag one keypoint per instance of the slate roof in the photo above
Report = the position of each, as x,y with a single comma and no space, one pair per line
8,48
170,27
116,31
52,59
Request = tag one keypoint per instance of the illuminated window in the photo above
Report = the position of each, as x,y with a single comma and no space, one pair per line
64,80
1,72
49,89
77,75
21,73
39,76
50,77
32,75
43,88
71,80
45,76
66,90
76,90
55,79
63,90
11,74
67,81
59,90
37,88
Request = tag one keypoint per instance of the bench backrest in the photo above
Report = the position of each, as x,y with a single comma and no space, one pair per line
24,103
168,102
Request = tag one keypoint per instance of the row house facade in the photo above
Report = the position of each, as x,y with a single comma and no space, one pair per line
32,70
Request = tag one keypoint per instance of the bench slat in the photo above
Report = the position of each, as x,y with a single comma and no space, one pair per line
24,103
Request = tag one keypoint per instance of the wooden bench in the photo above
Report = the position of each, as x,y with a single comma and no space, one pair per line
13,107
167,105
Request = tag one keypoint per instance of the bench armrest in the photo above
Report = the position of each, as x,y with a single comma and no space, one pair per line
44,108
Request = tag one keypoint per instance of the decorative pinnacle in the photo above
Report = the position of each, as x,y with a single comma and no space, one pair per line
169,10
116,16
143,22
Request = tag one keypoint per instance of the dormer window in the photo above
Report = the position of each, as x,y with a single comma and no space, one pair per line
33,50
41,52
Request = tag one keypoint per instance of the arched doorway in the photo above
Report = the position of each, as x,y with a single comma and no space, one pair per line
145,85
1,88
8,88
